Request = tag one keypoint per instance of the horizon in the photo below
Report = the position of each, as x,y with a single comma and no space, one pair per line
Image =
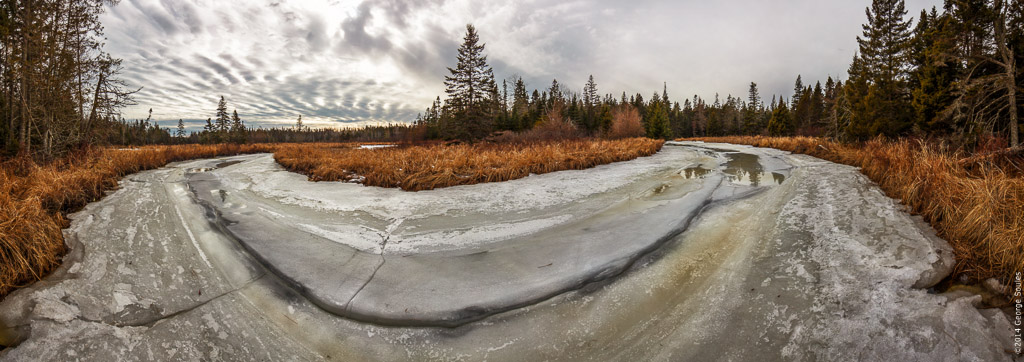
354,63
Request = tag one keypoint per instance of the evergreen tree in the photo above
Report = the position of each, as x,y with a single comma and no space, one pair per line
880,103
298,124
781,122
590,97
798,89
520,105
237,128
223,119
470,89
555,92
752,113
181,129
210,134
657,120
935,73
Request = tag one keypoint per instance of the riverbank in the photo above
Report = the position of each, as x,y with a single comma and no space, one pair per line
417,168
976,203
784,263
35,198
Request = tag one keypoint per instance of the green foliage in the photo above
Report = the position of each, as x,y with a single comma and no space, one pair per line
781,122
878,96
472,92
657,121
935,74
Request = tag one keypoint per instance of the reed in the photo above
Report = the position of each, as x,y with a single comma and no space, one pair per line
975,203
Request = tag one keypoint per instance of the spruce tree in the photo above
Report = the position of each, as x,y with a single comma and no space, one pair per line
935,73
880,102
181,129
237,128
590,103
752,113
657,120
470,88
798,89
781,122
223,119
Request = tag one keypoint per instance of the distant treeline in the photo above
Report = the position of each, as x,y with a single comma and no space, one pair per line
955,74
147,132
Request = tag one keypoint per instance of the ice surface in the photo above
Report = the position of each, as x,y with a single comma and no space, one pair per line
821,266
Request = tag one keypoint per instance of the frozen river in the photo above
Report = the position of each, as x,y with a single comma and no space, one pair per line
701,252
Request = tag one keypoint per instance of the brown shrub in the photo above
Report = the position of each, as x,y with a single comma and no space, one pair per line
978,206
626,122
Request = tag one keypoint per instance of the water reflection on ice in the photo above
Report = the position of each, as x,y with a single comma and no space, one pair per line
741,169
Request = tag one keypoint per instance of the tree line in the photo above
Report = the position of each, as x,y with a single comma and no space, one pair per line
954,73
57,86
230,128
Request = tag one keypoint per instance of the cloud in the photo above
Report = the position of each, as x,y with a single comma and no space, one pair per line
353,62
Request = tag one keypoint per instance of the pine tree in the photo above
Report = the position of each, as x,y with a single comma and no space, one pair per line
210,132
590,97
781,123
880,101
223,119
555,92
884,42
657,120
181,129
798,89
935,73
470,89
752,113
590,102
298,124
520,105
237,128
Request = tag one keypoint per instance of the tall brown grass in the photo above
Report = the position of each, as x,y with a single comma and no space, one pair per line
976,203
416,168
34,199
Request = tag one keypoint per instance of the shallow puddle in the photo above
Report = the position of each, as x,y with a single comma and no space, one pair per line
741,169
746,169
695,172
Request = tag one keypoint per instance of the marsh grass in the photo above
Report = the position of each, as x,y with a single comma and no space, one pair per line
36,198
975,203
427,167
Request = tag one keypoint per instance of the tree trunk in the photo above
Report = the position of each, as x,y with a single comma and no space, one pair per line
1012,95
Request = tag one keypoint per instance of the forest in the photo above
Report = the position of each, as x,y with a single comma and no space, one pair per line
954,74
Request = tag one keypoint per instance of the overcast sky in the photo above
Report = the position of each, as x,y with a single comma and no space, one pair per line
352,62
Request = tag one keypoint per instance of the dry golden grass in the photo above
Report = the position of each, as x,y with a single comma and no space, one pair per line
415,168
34,199
976,203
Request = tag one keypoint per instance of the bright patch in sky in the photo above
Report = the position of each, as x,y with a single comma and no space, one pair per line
343,63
